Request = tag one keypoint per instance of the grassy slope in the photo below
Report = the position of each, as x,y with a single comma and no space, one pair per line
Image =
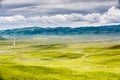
34,60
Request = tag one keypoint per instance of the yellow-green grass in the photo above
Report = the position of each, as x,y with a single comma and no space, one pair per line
55,60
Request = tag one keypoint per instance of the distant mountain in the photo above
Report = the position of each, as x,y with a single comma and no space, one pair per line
110,29
2,38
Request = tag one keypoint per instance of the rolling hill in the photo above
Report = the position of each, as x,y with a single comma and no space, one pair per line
2,38
109,29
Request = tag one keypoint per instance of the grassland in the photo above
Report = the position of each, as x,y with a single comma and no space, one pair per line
59,59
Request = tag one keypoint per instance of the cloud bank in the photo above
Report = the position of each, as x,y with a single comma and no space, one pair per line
53,7
55,13
73,20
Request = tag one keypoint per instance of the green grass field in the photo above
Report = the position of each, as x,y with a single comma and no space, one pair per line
44,59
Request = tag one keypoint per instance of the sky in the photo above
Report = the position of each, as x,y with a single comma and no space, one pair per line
58,13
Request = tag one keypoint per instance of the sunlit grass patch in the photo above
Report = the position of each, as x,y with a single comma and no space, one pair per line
59,61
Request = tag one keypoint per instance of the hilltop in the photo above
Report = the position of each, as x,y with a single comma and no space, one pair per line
109,29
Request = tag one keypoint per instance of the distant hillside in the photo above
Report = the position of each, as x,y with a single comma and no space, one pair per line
112,29
2,38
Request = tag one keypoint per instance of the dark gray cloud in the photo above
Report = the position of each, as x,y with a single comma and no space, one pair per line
54,7
1,3
118,4
14,6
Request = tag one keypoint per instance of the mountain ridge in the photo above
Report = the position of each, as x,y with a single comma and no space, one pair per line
108,29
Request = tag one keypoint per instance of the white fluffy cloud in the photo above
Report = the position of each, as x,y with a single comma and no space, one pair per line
12,19
111,16
73,20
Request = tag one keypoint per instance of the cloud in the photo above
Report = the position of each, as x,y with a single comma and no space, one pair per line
56,13
53,7
12,19
73,20
1,2
111,16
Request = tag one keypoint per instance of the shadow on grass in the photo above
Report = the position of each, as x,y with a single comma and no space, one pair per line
114,47
49,46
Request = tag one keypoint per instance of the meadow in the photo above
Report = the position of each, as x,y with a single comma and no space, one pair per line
60,58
